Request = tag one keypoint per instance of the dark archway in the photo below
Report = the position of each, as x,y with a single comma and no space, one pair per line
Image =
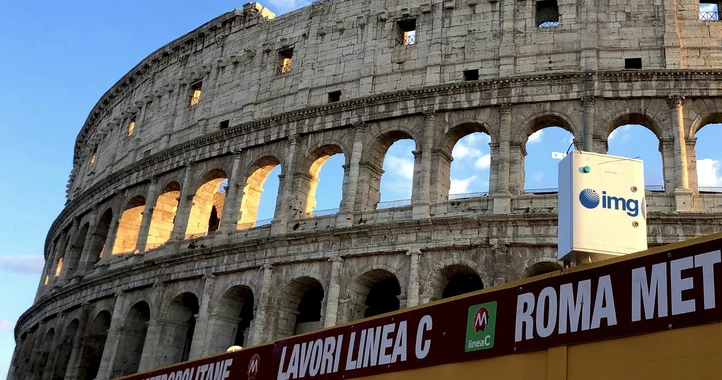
64,349
132,340
231,320
300,305
179,328
460,280
93,345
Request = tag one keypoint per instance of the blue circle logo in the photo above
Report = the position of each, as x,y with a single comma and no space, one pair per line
589,198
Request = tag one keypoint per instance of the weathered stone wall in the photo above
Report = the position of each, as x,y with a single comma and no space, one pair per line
143,269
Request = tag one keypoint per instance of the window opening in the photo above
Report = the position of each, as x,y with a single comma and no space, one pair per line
59,267
334,96
284,61
131,125
224,124
709,10
547,14
471,74
93,156
407,32
196,93
633,63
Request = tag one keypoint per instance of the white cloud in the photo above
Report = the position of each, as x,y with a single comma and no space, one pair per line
476,138
462,151
399,166
709,173
22,264
284,6
536,136
5,324
621,131
461,186
483,162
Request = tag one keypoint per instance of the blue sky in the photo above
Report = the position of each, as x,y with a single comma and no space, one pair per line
58,59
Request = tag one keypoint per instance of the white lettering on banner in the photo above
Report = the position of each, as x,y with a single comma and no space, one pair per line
553,315
373,346
657,293
202,372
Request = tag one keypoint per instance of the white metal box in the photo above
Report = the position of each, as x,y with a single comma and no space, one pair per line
602,207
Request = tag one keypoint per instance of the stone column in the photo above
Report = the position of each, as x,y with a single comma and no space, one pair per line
149,357
589,114
150,201
201,328
263,304
114,332
345,215
412,297
421,204
502,196
517,152
185,204
231,206
74,362
666,149
682,192
86,261
110,238
285,211
334,290
692,164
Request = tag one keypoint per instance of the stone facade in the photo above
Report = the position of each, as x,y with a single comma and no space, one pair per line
158,256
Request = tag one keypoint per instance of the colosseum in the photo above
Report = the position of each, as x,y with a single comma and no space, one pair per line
158,257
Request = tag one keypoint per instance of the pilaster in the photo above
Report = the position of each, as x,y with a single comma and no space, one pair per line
285,212
345,215
151,200
263,304
334,290
184,205
502,195
412,296
421,203
201,328
232,207
113,338
683,195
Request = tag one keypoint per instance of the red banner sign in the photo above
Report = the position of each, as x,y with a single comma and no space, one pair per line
666,290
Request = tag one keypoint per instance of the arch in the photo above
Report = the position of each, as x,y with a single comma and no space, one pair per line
641,141
179,327
540,169
100,236
635,118
132,340
163,217
374,292
308,183
253,189
708,159
453,280
541,120
93,345
540,268
207,198
375,162
231,320
26,355
41,356
300,304
76,250
64,349
126,238
463,144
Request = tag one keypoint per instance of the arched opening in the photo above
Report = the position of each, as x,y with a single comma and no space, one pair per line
64,349
255,208
638,141
392,185
467,173
180,323
231,321
460,279
93,344
129,226
76,249
163,217
540,268
327,183
100,236
374,292
300,307
26,355
208,197
130,344
541,171
40,361
709,157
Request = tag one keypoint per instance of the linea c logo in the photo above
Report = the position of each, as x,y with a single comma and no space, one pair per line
480,327
589,198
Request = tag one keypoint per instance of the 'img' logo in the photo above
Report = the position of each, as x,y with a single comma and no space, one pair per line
590,199
480,327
